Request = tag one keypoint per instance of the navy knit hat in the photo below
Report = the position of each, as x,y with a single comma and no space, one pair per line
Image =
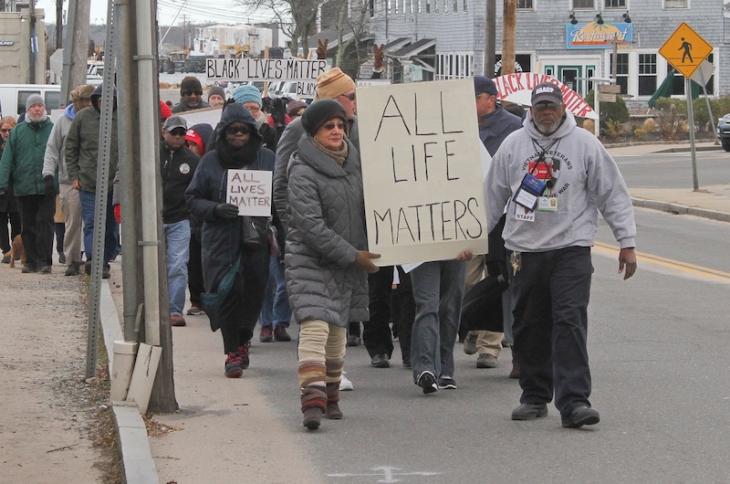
319,112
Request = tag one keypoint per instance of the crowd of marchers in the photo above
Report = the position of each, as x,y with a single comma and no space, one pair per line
308,263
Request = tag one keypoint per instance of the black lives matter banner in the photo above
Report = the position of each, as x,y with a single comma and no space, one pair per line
250,69
422,171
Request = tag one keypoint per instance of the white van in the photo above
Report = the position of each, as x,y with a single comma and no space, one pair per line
13,97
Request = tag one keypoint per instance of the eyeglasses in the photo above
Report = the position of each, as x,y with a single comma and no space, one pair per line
4,130
178,132
333,125
350,96
190,93
236,130
547,106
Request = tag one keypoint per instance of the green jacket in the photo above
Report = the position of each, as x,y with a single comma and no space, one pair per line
22,161
82,148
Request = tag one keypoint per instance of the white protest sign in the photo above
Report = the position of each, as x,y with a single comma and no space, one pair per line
250,69
422,171
209,116
250,191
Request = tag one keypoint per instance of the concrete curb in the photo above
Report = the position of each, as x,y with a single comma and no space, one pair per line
138,466
681,209
686,149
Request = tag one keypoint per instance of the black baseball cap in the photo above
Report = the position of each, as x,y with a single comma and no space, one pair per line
547,92
484,85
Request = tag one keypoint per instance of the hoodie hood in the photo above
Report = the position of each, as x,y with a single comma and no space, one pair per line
565,128
70,112
205,131
234,112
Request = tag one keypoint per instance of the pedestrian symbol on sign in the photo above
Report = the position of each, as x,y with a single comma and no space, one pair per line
687,48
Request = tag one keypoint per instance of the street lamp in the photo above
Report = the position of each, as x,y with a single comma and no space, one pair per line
573,20
599,18
626,17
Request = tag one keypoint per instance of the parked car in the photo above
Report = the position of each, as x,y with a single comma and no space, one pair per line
13,97
723,131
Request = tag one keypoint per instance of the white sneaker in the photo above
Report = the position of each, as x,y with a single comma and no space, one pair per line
345,384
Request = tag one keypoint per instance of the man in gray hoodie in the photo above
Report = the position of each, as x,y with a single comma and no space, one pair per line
555,178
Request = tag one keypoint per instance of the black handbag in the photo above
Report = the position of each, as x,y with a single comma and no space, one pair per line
215,303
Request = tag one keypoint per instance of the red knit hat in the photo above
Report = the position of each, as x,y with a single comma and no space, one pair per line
194,137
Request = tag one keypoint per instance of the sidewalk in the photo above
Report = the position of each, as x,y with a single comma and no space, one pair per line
48,418
711,202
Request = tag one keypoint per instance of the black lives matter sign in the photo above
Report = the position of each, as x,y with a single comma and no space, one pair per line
251,69
422,172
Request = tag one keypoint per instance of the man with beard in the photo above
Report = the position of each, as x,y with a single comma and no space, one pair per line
22,162
82,153
177,170
554,178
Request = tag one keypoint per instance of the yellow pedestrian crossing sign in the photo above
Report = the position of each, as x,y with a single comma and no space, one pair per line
685,50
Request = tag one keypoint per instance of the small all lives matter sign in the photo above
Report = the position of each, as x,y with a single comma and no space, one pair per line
250,191
422,171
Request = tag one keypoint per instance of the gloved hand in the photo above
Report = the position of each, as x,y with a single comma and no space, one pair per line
226,211
49,186
118,214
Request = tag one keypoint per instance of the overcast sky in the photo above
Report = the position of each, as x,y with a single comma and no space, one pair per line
224,11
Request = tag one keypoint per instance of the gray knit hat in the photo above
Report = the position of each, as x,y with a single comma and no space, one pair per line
34,99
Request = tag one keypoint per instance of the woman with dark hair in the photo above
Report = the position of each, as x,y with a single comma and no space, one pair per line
326,255
233,245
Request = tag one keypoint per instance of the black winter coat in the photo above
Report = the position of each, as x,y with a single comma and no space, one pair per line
177,169
221,238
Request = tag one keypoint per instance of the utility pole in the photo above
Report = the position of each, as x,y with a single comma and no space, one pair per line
508,36
490,38
59,24
33,44
79,15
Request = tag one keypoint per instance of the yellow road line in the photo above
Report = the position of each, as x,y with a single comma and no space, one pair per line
691,269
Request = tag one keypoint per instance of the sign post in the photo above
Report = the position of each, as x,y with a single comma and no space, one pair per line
686,50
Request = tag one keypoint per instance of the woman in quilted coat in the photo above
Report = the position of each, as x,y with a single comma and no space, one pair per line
326,255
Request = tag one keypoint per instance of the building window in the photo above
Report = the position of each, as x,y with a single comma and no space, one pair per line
525,4
621,71
590,72
615,4
584,4
647,74
466,2
709,83
550,70
456,5
676,3
428,6
454,65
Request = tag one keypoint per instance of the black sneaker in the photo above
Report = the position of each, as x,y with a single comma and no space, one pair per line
28,269
380,361
106,271
61,258
447,383
580,416
45,270
428,383
530,411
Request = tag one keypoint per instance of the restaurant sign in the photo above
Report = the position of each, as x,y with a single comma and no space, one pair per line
592,35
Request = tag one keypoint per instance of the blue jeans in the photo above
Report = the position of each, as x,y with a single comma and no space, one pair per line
275,310
177,238
88,201
438,291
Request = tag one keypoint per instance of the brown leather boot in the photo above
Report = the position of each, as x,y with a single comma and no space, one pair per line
333,411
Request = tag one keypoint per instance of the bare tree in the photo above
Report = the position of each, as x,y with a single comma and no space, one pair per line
298,18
